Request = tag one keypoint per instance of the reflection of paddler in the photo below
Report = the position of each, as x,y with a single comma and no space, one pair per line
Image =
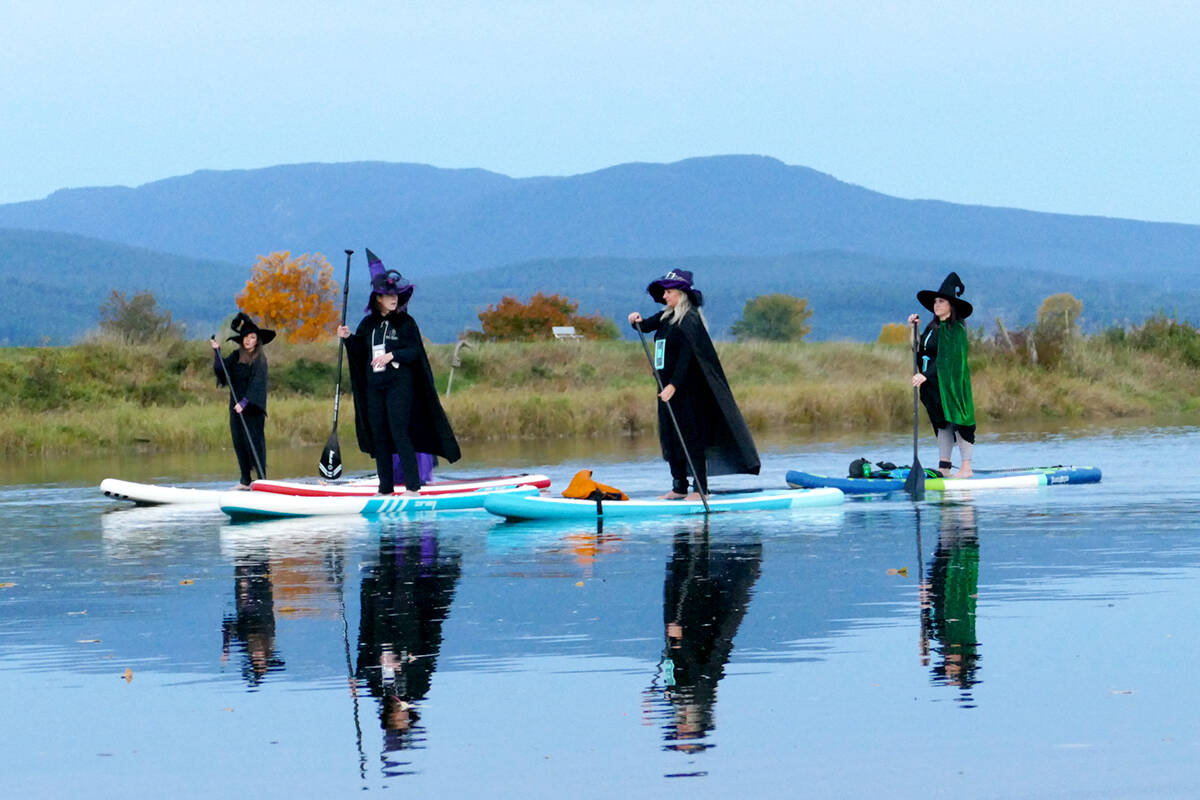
953,593
694,384
405,599
253,625
704,600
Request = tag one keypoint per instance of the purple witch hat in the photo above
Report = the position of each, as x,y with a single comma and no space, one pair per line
675,279
386,281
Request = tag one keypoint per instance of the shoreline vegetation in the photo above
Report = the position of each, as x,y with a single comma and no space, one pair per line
112,395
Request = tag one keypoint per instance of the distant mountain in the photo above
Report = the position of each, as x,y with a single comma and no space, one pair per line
54,285
427,221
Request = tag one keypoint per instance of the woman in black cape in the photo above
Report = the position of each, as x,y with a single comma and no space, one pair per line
396,405
694,384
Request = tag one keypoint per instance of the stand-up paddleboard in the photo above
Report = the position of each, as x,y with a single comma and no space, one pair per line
514,507
365,487
149,494
894,480
266,505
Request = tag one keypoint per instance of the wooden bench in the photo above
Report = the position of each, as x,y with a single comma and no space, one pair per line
565,332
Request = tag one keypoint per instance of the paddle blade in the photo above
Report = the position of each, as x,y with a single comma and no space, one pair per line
915,483
330,466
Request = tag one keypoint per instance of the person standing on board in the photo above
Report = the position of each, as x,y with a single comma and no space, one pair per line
396,404
247,371
944,378
694,384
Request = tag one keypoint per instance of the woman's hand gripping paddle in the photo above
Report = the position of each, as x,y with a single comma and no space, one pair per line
330,465
915,483
671,413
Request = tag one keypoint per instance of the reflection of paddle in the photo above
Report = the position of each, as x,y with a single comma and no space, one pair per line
245,427
915,483
671,412
330,465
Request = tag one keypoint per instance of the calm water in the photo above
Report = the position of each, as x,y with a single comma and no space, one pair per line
1012,644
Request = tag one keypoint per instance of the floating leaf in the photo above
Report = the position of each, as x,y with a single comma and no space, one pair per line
128,676
7,585
88,641
902,571
579,583
186,582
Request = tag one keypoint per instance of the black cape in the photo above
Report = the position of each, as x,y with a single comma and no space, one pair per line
249,380
428,426
730,447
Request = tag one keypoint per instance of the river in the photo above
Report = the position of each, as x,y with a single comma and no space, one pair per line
1008,644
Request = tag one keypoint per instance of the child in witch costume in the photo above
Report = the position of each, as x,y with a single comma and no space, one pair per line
396,404
945,376
247,368
714,433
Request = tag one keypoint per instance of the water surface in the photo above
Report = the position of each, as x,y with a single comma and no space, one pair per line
1011,644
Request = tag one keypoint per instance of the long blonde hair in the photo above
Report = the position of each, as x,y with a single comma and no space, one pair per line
675,315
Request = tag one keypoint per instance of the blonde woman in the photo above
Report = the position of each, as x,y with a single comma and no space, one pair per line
710,425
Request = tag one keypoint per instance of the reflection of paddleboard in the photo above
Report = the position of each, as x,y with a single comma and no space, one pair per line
260,505
365,487
894,480
516,507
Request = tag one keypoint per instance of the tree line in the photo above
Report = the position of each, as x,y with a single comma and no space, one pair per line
297,296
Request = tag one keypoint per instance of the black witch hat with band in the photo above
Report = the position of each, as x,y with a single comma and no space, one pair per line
242,325
387,281
680,279
951,290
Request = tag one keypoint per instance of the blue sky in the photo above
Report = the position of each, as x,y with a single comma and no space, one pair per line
1072,107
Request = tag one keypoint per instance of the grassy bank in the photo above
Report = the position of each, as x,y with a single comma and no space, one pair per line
113,395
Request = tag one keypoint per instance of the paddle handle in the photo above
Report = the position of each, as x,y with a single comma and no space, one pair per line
671,412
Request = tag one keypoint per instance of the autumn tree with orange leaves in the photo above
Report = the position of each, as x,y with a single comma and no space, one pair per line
510,320
295,296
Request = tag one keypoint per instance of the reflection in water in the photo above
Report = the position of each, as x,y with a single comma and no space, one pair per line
252,627
406,597
705,596
948,601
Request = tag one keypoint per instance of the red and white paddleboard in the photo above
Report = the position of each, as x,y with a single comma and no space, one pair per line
363,487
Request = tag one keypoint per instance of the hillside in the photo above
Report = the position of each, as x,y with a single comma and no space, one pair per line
852,295
54,285
429,221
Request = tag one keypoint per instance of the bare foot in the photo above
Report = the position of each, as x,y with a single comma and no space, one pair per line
407,493
965,472
693,496
672,495
241,487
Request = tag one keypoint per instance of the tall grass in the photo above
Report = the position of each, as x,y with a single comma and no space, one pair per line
110,394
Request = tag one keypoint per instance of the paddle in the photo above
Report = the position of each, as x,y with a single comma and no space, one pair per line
671,412
246,428
330,465
915,483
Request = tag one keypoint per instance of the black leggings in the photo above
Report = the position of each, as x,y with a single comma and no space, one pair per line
256,423
388,411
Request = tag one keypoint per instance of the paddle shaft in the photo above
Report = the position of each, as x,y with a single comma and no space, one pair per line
674,422
915,483
246,428
337,387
